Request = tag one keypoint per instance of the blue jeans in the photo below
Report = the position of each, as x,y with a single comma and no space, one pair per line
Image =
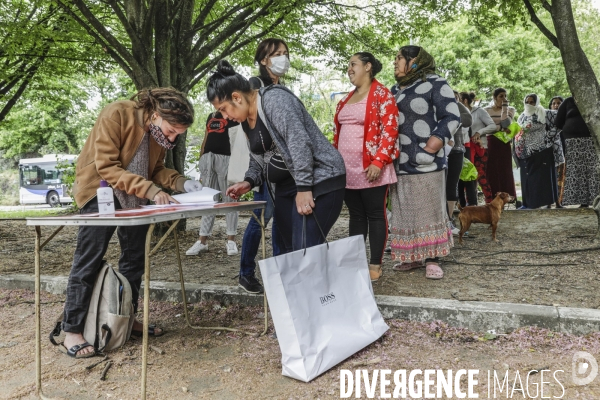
252,235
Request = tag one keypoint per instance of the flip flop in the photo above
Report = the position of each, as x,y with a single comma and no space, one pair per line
433,271
408,266
151,331
72,352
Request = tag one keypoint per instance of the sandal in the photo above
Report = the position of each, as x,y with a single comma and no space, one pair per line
72,352
433,271
408,266
375,272
151,332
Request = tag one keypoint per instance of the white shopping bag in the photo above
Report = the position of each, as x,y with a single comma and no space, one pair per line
322,305
240,155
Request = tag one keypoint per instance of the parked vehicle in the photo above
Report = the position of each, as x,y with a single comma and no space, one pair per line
41,181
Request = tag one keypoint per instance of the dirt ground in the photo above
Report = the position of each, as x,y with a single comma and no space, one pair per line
472,271
221,365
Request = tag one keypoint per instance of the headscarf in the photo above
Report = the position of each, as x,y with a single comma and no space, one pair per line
425,65
537,109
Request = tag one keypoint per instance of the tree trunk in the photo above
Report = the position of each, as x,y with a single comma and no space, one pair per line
580,75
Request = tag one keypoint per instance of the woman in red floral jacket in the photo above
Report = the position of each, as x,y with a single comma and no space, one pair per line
365,133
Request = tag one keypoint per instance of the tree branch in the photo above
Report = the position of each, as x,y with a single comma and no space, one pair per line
547,6
241,21
540,24
17,95
218,21
201,71
99,31
123,63
203,14
135,42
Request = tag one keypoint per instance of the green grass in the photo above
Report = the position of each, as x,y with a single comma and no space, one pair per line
22,214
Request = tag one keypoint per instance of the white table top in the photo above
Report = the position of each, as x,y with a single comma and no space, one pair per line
144,216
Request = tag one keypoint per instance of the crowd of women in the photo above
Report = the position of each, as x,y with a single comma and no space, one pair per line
406,144
401,149
387,143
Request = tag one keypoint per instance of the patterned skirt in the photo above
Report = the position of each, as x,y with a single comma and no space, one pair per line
582,184
420,225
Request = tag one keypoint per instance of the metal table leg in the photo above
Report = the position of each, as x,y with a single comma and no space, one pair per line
261,222
38,323
38,345
146,310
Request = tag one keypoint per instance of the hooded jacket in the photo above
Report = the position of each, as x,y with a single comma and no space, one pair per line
312,161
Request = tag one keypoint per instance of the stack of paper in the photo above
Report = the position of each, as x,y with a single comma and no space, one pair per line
206,196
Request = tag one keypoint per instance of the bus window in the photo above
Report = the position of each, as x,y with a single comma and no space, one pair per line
30,175
51,175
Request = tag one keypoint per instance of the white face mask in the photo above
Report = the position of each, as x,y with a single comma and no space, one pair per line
280,65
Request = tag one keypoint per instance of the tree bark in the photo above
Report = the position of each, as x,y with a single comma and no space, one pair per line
580,75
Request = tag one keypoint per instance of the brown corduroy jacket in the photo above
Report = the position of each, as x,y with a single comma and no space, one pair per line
109,149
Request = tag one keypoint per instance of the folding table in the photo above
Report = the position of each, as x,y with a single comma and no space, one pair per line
132,217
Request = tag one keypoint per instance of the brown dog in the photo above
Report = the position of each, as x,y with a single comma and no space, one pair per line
488,214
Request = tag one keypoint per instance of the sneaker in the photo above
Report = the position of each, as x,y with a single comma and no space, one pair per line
196,249
388,249
250,284
231,248
455,231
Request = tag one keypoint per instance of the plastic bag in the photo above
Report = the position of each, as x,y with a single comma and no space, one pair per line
468,172
507,137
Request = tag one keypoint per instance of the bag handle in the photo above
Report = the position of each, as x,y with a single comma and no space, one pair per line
304,232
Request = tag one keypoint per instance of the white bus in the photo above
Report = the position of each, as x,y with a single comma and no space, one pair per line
41,182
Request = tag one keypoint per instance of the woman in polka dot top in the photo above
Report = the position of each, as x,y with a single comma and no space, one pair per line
429,115
365,133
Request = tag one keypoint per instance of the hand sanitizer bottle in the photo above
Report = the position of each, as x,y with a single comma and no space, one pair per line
106,200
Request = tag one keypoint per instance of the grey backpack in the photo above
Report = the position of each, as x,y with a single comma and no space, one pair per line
110,315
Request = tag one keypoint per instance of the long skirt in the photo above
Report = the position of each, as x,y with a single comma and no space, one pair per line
499,167
538,179
582,183
420,225
480,160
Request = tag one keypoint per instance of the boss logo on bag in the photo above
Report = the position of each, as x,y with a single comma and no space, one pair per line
327,299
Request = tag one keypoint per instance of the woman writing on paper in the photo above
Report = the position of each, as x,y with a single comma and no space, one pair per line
125,148
288,151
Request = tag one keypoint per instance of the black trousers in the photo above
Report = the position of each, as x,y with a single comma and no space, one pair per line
455,163
92,243
367,209
289,223
469,187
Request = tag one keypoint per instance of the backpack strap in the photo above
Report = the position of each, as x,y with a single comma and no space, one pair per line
104,327
57,329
